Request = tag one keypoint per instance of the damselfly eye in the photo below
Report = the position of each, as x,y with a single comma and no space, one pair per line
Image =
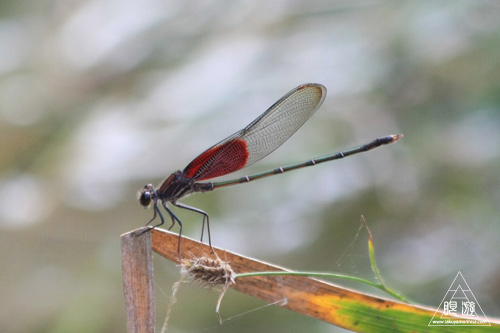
145,195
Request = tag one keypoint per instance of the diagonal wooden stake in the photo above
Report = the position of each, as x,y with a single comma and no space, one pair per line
347,308
356,311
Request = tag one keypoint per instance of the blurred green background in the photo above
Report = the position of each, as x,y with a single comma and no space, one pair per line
99,98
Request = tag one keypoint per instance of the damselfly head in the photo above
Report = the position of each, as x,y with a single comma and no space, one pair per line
145,195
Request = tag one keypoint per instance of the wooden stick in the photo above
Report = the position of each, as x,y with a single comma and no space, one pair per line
137,271
359,312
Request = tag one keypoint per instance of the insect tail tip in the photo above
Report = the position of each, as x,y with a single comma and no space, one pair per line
396,137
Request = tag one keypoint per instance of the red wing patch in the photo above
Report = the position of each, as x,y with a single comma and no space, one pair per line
219,160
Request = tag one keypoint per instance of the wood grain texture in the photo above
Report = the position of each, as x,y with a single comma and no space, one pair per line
137,272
